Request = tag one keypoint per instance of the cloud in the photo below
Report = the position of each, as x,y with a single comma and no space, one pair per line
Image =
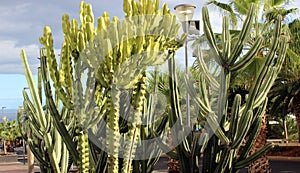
22,24
10,60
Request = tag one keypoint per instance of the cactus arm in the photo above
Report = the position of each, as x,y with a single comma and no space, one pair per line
237,49
40,113
210,35
274,46
47,41
223,93
37,154
174,95
31,109
251,140
33,91
127,164
254,91
226,40
243,126
214,125
40,84
83,165
253,157
248,57
183,149
64,158
235,110
65,71
211,80
275,70
224,161
113,132
204,90
134,132
202,106
56,116
57,147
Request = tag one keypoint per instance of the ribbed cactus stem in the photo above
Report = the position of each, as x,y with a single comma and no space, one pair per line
232,56
112,131
39,115
134,131
83,165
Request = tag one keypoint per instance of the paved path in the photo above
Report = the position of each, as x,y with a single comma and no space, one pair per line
14,167
279,165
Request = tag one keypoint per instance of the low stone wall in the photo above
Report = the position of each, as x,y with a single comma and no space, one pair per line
10,157
287,151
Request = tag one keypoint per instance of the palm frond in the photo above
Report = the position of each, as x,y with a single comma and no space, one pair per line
275,11
225,8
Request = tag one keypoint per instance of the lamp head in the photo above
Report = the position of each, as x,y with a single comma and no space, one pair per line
184,12
4,119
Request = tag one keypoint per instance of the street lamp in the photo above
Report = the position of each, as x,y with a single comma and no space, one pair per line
185,13
3,117
4,121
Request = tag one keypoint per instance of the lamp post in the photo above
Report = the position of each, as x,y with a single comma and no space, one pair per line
184,13
4,121
3,113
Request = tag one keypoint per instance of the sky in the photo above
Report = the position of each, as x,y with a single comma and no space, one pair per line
22,23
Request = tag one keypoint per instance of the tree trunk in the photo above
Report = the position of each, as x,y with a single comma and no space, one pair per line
262,164
297,113
286,135
298,127
4,147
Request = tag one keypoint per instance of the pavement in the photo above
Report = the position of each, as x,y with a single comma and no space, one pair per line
278,165
15,167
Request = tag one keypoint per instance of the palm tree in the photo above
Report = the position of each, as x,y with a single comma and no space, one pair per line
295,53
9,131
239,8
285,94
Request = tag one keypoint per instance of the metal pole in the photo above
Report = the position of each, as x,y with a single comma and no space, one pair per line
4,121
24,151
188,116
3,112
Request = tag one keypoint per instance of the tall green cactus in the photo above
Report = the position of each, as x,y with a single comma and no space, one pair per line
224,152
44,141
112,57
128,49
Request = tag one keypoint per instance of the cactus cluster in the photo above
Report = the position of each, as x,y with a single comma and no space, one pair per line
97,65
227,127
231,126
93,108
